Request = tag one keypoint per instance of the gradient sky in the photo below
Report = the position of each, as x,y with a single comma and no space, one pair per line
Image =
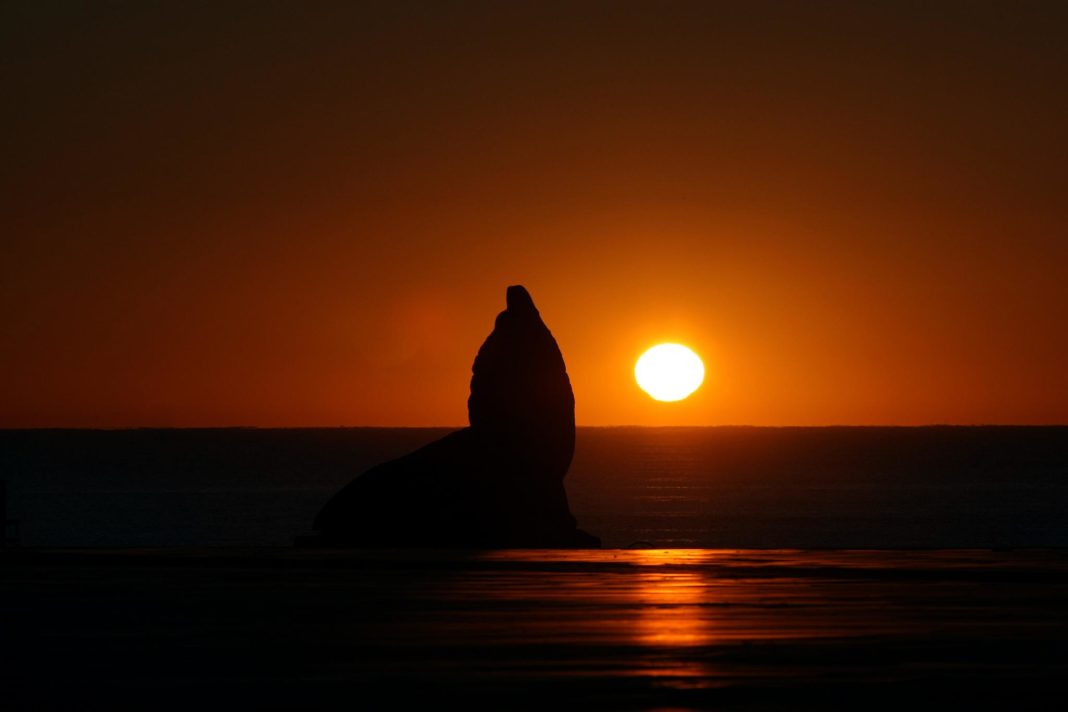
304,214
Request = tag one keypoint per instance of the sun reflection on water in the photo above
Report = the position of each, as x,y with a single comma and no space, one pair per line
686,618
669,601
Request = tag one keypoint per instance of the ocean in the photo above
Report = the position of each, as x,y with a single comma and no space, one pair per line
652,629
743,569
715,487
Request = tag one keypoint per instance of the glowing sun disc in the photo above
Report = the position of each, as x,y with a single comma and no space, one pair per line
669,372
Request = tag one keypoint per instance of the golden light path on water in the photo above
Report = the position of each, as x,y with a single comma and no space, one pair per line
668,610
669,602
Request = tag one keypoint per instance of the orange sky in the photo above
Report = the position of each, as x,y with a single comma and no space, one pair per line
290,214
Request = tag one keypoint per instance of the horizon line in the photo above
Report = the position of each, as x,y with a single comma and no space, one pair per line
460,427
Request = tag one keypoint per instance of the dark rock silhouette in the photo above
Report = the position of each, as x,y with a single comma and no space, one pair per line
497,483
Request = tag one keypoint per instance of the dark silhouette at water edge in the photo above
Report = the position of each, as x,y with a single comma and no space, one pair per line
495,484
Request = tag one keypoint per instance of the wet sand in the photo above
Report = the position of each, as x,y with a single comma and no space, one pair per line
612,629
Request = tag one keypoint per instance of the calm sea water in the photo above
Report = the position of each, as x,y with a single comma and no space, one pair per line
226,614
297,629
666,487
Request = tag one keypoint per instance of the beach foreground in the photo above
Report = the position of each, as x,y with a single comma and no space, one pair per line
610,629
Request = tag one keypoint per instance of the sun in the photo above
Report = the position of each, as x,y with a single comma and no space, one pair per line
669,372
